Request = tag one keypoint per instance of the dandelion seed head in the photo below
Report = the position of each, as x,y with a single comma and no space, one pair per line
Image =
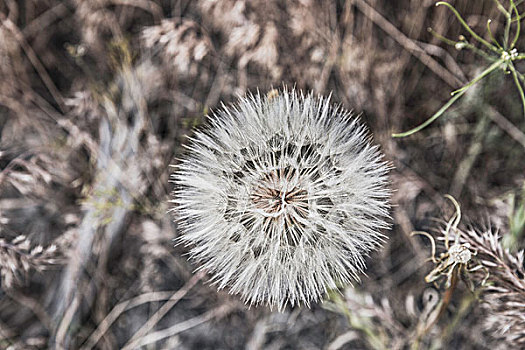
281,198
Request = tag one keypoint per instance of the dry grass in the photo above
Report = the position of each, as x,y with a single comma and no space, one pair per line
96,98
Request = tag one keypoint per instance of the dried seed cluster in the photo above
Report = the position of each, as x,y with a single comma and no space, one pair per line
281,197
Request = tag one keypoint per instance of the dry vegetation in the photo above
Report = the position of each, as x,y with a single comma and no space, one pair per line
96,97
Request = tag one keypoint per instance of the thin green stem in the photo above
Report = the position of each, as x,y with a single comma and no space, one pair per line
492,36
518,85
519,18
506,32
454,43
431,119
483,74
501,8
520,76
456,95
441,37
481,53
517,35
466,26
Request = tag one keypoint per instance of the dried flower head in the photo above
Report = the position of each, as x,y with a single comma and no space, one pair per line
281,198
503,298
17,258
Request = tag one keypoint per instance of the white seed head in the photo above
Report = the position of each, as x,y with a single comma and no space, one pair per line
281,198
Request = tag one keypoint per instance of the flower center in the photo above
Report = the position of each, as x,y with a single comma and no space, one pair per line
283,202
278,191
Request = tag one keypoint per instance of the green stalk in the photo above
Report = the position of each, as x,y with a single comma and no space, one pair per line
441,37
466,26
456,95
487,71
508,23
517,35
492,36
518,85
501,8
431,119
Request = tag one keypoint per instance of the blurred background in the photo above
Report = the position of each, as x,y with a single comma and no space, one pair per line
98,96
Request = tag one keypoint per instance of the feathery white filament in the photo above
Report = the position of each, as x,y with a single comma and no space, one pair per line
281,198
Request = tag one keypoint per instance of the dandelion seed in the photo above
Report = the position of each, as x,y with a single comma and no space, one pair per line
281,198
